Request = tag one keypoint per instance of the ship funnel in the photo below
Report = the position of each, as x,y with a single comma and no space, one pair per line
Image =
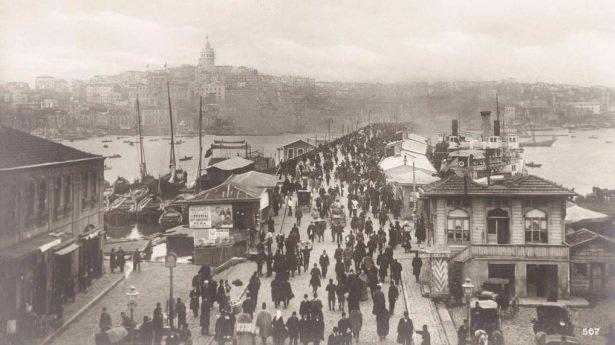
486,124
455,128
496,128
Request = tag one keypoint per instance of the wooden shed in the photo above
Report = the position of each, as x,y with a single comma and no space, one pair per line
592,263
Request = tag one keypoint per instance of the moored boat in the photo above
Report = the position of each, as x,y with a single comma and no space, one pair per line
533,165
149,209
170,218
186,158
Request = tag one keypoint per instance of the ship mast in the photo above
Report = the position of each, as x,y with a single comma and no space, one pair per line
198,172
172,162
142,166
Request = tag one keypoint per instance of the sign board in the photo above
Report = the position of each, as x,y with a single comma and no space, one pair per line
211,237
170,260
199,217
210,216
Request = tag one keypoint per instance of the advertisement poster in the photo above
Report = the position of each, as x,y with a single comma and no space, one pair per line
221,216
210,216
211,237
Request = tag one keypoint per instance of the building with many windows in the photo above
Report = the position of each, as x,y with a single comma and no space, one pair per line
512,228
51,217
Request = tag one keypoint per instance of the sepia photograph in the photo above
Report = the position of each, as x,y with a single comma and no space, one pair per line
441,172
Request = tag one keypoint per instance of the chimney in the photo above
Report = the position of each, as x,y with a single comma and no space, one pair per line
455,128
496,128
486,124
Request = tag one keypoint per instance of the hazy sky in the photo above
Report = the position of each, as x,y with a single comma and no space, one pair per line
386,41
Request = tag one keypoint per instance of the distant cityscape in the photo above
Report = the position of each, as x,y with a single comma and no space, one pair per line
240,100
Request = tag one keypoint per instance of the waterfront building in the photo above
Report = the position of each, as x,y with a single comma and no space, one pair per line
511,228
103,93
50,222
294,149
591,108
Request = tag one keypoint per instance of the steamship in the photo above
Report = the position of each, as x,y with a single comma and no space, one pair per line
494,153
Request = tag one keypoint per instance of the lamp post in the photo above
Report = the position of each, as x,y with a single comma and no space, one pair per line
132,300
170,262
468,290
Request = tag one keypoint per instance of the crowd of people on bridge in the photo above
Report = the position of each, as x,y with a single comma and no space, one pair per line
363,261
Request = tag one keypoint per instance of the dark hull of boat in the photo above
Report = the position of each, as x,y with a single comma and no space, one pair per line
169,190
118,218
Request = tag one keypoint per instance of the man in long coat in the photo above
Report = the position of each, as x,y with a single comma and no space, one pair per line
205,316
292,326
417,263
356,322
379,301
405,330
263,323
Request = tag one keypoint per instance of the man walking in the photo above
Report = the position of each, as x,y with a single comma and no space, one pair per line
263,323
417,263
324,263
136,261
331,290
405,329
393,295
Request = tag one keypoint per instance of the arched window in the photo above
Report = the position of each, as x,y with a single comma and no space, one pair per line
458,226
536,229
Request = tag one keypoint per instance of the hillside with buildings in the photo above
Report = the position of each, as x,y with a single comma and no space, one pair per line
240,100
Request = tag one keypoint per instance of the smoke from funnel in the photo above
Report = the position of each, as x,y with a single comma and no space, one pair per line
486,124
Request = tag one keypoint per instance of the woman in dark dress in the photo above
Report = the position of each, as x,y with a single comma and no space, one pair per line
382,323
278,329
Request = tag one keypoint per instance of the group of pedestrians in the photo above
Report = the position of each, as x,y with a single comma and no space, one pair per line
360,268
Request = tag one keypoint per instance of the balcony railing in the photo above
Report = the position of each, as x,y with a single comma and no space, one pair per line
518,251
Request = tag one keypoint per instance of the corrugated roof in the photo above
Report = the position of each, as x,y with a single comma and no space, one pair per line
516,185
578,237
407,178
254,179
229,191
232,164
20,149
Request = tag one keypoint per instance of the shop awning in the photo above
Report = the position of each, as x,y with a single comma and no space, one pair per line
578,214
27,247
68,249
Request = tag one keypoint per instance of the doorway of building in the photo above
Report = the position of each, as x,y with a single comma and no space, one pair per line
542,281
498,226
597,277
504,271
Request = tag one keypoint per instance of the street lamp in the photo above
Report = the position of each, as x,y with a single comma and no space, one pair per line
468,290
132,300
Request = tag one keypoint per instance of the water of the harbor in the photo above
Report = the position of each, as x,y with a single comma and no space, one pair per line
157,151
579,160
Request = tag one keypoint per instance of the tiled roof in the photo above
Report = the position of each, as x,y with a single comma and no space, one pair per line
228,191
20,149
300,141
516,185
